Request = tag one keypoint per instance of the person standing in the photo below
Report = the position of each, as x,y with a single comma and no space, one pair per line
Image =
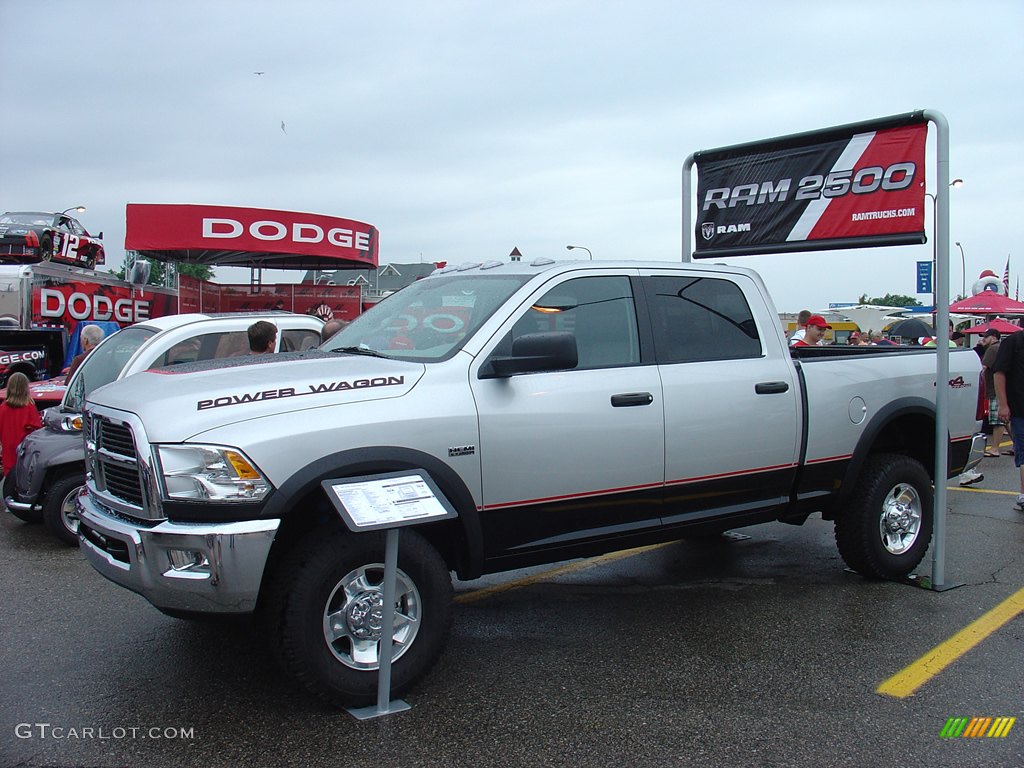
18,417
814,333
994,428
1008,375
262,337
91,336
801,329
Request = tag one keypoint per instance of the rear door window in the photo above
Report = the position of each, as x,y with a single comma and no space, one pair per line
700,318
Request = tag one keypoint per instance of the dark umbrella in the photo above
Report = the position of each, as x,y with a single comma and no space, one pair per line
910,328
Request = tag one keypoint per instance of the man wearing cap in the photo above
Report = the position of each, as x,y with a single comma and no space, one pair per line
816,326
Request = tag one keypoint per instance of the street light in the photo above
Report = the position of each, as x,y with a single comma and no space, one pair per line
582,248
77,209
963,270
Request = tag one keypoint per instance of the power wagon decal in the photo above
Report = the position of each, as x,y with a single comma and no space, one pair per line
314,389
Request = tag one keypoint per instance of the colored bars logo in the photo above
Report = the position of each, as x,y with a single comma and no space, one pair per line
977,727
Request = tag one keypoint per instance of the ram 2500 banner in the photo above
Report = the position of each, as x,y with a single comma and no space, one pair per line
852,186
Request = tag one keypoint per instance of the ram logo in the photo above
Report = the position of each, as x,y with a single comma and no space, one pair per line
708,229
463,450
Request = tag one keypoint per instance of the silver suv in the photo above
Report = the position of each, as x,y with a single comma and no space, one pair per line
51,461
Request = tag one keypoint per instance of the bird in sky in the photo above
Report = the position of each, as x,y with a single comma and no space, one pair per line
259,73
282,128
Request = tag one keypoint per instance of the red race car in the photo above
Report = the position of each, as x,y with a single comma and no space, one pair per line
35,236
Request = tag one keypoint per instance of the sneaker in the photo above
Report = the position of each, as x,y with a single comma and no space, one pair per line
1019,506
970,477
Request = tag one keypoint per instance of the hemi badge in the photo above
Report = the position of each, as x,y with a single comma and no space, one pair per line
465,450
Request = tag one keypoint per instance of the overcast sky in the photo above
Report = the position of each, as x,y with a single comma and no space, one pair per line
461,130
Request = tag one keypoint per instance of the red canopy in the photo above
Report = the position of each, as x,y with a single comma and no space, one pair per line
988,303
1002,326
249,237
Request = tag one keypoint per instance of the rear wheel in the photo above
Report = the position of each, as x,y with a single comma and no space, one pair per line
324,611
887,526
59,512
46,248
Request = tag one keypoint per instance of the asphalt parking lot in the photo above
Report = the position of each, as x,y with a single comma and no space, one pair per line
758,650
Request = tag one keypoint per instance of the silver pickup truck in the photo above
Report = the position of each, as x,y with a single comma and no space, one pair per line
562,410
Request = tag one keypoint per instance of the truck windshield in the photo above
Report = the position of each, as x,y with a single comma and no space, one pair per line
427,320
103,365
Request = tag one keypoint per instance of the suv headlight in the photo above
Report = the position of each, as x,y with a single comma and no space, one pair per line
210,473
71,423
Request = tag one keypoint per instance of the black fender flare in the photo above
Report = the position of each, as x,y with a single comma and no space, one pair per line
904,406
382,458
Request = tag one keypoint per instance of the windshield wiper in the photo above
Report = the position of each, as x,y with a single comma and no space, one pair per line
362,351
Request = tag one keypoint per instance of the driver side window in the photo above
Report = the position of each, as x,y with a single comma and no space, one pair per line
598,311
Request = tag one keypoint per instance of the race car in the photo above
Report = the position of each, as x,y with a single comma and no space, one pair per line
34,236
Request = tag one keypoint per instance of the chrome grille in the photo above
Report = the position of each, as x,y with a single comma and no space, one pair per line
115,461
123,482
115,438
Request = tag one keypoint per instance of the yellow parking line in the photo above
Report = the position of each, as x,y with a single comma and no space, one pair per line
480,594
972,489
910,678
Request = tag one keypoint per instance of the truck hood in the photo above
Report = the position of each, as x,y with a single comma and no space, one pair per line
187,399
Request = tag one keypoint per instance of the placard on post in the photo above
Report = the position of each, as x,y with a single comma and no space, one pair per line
387,502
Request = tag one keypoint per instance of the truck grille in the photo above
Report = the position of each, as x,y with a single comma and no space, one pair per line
115,462
115,438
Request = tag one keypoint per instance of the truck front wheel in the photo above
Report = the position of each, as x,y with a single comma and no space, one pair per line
885,530
324,610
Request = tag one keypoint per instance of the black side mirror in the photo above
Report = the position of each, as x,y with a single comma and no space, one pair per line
533,353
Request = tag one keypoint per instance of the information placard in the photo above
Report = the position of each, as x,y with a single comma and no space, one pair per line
388,500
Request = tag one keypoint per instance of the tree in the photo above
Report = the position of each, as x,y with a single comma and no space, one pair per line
891,300
158,271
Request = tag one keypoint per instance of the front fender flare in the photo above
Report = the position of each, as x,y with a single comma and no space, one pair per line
375,459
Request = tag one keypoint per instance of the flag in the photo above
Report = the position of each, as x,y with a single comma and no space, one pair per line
1006,278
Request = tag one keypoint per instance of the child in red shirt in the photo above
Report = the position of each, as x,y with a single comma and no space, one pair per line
18,417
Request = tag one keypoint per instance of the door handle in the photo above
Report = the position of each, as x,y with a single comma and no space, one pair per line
771,387
631,399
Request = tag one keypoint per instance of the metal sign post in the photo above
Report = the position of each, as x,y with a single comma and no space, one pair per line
387,502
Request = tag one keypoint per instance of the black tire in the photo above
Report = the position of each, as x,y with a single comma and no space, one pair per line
46,248
59,508
307,587
885,529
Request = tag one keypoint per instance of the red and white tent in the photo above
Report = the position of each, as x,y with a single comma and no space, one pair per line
988,303
220,235
1003,326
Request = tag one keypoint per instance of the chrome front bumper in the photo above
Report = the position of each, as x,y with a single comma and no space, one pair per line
201,567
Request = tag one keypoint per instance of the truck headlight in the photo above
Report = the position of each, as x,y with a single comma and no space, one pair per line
210,473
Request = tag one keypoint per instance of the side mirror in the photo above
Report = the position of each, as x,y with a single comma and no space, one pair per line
534,353
99,236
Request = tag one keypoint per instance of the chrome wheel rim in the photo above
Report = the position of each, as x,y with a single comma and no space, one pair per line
353,617
68,513
900,523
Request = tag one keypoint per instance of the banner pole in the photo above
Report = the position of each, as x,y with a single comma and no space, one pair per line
941,344
687,216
